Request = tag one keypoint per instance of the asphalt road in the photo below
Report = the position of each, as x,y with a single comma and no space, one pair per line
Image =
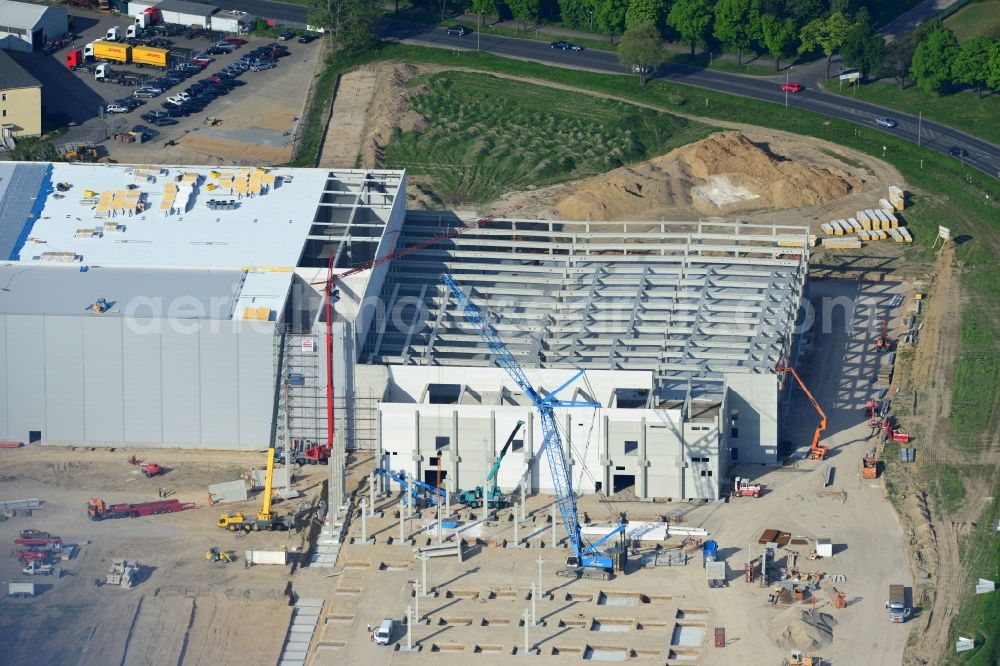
982,155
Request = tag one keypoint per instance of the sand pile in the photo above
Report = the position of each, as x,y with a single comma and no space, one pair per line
724,172
802,629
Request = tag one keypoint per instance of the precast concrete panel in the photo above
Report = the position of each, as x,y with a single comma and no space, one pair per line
181,387
64,348
143,378
219,381
5,424
256,385
24,353
103,393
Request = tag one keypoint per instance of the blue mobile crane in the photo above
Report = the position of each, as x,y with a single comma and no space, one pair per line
587,561
413,488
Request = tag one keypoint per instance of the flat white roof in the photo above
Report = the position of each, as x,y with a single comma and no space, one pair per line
158,228
22,14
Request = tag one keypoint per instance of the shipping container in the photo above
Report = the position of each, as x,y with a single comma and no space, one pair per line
112,51
148,55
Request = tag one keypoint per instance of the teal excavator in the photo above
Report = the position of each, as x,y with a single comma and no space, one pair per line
473,499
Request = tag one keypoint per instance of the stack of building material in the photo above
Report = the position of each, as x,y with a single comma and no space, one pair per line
845,243
884,375
897,197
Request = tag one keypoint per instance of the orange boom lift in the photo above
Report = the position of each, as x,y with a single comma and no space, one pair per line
817,452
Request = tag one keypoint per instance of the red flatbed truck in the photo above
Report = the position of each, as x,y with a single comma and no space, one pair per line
98,509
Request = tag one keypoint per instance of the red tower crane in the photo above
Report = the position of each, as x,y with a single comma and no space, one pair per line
332,295
817,452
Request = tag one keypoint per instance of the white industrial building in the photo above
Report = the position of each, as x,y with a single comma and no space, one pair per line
25,26
212,332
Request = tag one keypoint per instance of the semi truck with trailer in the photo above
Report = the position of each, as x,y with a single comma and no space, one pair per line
98,509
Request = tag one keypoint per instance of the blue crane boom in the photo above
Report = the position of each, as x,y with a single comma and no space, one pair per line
410,484
586,555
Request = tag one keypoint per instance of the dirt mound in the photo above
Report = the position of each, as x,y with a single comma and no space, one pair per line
802,629
722,173
390,109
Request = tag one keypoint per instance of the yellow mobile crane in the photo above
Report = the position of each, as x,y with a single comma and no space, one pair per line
236,521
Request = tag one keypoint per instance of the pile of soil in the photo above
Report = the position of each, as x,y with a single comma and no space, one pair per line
727,159
390,109
802,629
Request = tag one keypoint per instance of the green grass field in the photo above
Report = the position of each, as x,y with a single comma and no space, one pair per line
960,110
977,18
487,136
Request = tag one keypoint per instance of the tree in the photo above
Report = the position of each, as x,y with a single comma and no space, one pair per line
350,23
737,24
653,12
524,11
896,63
692,19
932,60
610,16
993,75
827,34
778,37
863,49
577,14
971,66
639,50
485,7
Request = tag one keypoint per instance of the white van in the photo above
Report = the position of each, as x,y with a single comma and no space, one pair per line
384,632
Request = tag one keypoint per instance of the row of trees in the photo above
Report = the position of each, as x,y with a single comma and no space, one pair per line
940,64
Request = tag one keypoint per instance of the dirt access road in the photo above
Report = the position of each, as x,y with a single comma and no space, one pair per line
186,610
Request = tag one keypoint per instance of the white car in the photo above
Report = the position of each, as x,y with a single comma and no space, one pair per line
179,99
115,108
886,122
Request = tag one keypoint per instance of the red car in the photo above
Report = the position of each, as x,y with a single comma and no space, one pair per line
202,61
793,87
236,41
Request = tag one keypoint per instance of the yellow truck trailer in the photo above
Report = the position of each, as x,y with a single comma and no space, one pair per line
148,55
111,51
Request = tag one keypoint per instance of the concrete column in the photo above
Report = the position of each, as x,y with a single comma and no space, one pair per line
534,604
527,643
491,453
416,602
423,573
529,450
437,521
523,501
447,500
451,483
364,521
643,475
409,630
416,456
371,491
605,456
517,528
555,541
540,561
402,535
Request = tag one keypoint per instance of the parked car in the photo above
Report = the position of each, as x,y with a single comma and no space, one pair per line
958,151
285,36
202,59
225,46
148,93
236,41
152,116
130,103
305,39
115,108
886,122
565,46
459,30
261,65
792,87
163,121
215,50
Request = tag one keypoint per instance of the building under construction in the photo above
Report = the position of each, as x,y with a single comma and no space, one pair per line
175,306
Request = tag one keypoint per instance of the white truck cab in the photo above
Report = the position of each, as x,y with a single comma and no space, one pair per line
384,632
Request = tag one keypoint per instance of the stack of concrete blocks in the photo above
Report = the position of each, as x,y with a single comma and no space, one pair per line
305,618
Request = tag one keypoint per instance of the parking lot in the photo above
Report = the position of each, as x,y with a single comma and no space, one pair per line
254,121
